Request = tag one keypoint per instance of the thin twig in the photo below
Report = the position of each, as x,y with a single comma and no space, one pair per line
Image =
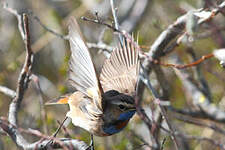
202,139
101,46
201,114
61,125
144,78
179,66
64,37
114,13
198,138
200,123
140,138
100,22
200,76
43,115
147,121
18,16
163,143
132,19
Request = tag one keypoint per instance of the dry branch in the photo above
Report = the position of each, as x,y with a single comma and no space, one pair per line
11,127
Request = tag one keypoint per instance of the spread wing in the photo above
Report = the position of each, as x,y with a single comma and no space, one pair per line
82,73
120,71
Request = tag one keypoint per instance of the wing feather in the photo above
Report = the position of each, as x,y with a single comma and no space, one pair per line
120,71
82,74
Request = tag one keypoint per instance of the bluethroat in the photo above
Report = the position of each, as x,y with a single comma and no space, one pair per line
101,105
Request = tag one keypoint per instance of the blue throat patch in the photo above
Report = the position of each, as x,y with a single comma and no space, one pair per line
124,117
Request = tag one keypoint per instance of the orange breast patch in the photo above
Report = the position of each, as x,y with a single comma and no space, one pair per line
122,124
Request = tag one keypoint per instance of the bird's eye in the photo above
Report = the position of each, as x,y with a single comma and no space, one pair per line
122,107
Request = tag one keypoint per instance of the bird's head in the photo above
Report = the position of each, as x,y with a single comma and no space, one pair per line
118,106
118,110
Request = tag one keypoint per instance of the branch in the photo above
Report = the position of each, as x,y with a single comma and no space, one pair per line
116,20
202,139
7,91
168,35
43,115
100,22
15,134
102,46
48,29
198,138
64,37
11,127
200,123
201,114
133,18
18,16
145,80
180,66
23,79
203,84
200,101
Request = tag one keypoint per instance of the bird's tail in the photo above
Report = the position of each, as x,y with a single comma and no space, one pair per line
60,100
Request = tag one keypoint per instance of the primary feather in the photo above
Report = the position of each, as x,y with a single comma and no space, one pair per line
120,71
82,73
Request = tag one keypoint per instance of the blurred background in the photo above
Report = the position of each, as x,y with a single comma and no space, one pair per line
147,18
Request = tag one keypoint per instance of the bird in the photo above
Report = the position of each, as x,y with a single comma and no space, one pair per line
104,104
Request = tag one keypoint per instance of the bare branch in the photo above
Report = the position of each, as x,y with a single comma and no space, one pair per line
145,80
179,66
136,14
168,35
15,134
102,46
7,91
23,79
199,100
19,18
48,29
217,116
100,22
202,139
11,127
200,123
114,11
43,115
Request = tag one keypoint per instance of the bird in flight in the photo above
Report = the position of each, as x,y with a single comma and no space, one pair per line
101,105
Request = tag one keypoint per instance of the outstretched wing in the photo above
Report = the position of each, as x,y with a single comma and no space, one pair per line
82,73
120,71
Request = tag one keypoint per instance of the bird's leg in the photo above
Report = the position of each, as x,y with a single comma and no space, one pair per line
57,131
60,126
92,142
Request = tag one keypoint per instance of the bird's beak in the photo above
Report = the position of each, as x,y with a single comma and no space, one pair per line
142,110
134,108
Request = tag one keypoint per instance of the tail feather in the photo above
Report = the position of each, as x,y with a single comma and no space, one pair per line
60,100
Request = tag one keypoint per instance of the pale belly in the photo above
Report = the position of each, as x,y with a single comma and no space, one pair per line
97,127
